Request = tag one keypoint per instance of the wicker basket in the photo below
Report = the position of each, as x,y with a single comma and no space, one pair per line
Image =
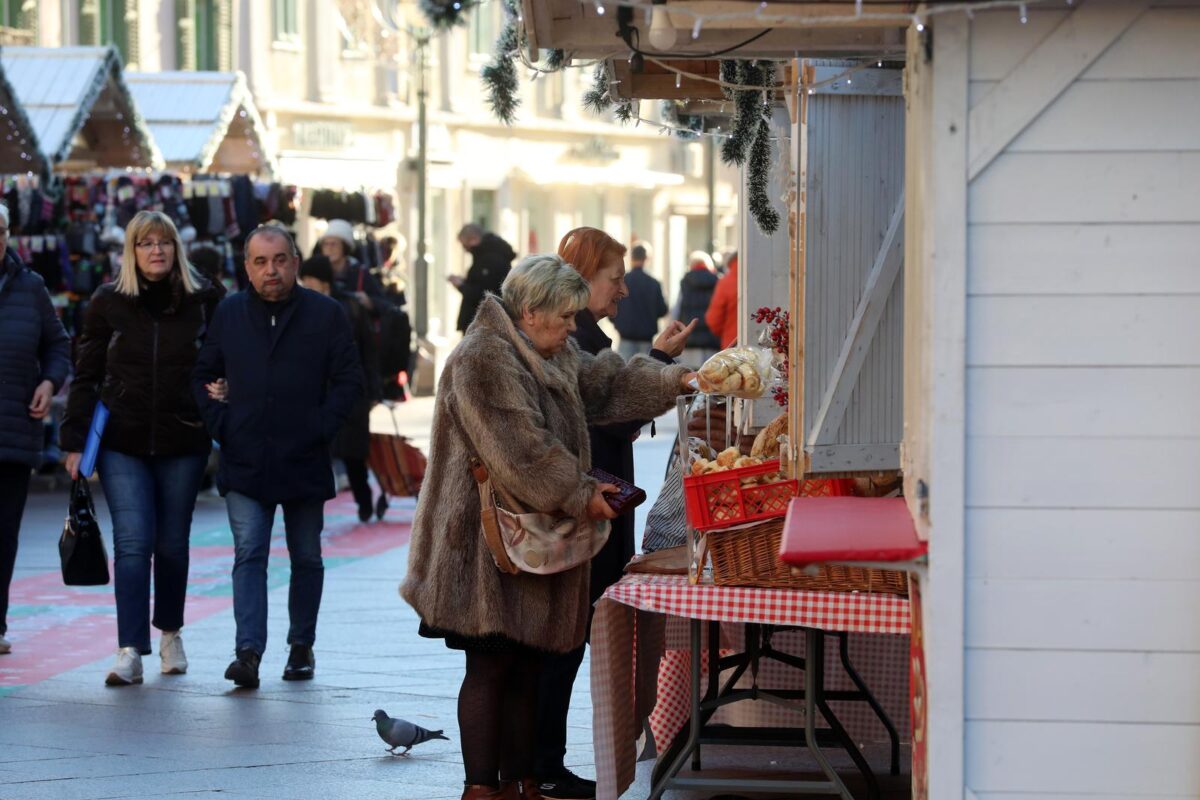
750,557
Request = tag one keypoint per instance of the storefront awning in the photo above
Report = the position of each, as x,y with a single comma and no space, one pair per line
80,107
203,121
584,175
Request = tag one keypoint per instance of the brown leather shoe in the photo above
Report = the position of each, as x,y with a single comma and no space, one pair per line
471,792
529,789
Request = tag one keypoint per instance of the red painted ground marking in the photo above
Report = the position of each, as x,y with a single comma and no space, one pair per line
74,626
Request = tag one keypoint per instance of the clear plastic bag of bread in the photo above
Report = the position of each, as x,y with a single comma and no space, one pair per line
745,372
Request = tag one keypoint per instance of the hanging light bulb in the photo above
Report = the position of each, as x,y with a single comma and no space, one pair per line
678,79
662,32
1024,14
696,28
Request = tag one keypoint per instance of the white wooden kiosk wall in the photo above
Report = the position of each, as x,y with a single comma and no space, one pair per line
1054,364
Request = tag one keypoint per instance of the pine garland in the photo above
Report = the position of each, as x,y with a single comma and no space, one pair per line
758,173
747,110
729,74
445,14
500,75
625,111
556,60
597,99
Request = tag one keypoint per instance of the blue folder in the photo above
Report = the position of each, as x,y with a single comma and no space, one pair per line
87,465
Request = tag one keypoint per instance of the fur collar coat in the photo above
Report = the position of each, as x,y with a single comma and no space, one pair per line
527,418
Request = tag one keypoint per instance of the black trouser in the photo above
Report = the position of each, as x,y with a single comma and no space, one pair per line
356,474
14,488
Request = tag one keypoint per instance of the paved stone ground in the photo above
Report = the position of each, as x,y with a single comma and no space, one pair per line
64,735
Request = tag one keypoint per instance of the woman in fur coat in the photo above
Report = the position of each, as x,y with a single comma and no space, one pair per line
517,392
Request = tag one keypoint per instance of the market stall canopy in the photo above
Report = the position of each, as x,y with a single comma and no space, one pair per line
702,28
203,121
19,152
80,107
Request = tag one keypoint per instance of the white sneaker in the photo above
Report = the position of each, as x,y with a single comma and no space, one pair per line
174,662
127,669
5,646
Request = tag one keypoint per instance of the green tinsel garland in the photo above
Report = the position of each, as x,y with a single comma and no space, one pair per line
748,110
445,14
758,168
729,74
500,76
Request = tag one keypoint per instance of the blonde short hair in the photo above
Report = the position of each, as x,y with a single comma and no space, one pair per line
143,224
544,283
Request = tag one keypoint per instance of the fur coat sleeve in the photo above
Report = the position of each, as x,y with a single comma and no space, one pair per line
616,391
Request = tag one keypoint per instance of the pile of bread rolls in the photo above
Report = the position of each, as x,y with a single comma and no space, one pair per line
734,371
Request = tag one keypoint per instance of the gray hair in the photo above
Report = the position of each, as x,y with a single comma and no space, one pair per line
271,229
544,283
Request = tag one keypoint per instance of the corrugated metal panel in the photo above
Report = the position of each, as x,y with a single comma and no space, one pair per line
856,176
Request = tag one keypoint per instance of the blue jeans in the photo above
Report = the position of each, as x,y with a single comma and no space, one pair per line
252,522
151,501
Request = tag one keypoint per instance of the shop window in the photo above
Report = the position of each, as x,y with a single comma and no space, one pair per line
18,22
485,26
204,35
110,22
286,21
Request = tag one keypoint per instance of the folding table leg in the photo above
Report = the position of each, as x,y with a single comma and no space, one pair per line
870,698
814,650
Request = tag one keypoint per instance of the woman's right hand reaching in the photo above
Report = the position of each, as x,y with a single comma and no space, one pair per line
598,507
73,460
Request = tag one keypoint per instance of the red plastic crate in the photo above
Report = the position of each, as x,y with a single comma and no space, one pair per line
718,500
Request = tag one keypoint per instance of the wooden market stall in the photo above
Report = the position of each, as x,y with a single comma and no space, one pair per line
204,122
19,149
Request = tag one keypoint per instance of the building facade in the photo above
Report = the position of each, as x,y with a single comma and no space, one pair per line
337,83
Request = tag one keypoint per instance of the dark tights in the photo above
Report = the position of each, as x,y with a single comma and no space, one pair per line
497,715
356,474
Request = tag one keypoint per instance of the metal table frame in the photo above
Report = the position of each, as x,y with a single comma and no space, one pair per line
814,697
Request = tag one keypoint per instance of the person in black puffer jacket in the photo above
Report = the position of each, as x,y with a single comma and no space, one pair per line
695,294
141,334
35,359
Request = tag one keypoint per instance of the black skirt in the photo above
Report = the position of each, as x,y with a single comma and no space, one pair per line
488,643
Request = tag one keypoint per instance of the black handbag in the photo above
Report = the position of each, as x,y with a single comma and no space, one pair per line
81,548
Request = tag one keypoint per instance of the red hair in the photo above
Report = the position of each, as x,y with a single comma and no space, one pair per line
586,249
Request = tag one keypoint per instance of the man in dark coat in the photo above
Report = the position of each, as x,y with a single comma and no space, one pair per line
275,380
35,359
638,313
491,259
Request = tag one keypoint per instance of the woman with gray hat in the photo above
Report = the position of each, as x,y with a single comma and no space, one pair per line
349,275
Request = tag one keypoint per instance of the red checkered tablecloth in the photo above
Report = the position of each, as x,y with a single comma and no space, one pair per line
855,612
625,675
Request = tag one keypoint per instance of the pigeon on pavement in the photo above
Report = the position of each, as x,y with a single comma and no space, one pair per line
402,733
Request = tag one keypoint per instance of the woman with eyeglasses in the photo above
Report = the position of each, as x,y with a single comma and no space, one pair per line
141,334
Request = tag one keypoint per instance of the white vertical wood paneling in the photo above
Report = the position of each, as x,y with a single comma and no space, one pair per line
1083,449
856,146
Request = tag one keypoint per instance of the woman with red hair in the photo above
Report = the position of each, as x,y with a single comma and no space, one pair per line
600,259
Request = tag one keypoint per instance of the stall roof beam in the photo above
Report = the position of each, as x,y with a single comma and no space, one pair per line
814,29
203,121
80,107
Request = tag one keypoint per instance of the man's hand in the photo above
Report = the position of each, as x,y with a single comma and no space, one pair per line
456,281
39,407
598,507
674,337
685,383
73,460
218,390
365,299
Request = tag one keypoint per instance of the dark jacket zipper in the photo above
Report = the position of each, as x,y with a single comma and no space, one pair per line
154,390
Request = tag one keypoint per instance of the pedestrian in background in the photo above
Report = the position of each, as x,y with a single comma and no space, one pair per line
276,379
349,275
353,442
695,294
35,358
640,310
721,317
510,394
600,259
491,259
140,335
